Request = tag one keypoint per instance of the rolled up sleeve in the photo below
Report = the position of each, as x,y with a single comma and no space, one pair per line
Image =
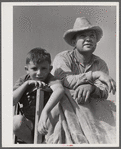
101,90
62,70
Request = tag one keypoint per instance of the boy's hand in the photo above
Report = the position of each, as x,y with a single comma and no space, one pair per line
37,84
42,127
82,93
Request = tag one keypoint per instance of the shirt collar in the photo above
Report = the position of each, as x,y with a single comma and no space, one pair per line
79,61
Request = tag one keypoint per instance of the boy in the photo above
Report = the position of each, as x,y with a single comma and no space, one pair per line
38,67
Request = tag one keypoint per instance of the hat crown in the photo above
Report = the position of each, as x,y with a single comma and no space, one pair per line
81,23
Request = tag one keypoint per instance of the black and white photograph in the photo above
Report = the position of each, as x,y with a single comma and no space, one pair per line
60,74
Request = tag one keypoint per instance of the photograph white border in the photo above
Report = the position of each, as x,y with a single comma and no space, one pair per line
7,71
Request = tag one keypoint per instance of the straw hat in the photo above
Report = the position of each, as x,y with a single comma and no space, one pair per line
81,24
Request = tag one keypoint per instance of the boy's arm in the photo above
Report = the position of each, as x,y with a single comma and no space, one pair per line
58,92
19,90
17,94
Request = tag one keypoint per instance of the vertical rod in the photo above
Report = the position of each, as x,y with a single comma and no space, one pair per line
39,108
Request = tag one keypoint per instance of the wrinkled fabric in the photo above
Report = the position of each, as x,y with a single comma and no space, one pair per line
90,123
93,122
67,67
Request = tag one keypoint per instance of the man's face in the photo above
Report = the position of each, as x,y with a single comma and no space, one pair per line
86,42
39,71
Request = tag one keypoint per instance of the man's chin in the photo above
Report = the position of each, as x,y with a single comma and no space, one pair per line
87,51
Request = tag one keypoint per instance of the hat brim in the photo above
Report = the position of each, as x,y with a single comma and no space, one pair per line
69,34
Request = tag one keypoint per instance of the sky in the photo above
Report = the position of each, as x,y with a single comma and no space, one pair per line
44,26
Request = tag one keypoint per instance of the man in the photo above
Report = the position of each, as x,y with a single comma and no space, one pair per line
86,78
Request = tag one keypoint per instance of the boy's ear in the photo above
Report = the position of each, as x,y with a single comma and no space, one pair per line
26,69
51,67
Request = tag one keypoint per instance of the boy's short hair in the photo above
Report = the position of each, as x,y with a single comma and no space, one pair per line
38,55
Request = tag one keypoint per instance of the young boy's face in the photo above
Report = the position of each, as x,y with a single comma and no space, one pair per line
39,71
86,42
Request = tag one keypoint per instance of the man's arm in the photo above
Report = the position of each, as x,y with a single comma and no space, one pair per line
101,90
105,79
62,70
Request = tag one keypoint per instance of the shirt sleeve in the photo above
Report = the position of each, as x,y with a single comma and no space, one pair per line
18,83
62,70
101,90
54,81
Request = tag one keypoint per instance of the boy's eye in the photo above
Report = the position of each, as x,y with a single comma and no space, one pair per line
34,69
44,68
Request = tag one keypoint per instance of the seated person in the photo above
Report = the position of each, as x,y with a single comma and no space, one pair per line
86,79
80,69
38,67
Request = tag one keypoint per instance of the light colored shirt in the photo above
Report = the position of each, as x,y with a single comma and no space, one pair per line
68,67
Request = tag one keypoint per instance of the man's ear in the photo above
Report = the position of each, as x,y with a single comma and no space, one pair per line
26,69
73,42
51,67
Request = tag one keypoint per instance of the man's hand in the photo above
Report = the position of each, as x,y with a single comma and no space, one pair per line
42,125
82,93
104,78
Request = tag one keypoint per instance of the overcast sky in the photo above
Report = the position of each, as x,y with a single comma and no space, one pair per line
44,26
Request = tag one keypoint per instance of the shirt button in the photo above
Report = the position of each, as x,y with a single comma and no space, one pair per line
33,97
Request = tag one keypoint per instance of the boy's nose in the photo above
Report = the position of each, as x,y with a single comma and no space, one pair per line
38,72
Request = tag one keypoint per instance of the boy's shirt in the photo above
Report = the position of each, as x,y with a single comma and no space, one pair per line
29,99
67,67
